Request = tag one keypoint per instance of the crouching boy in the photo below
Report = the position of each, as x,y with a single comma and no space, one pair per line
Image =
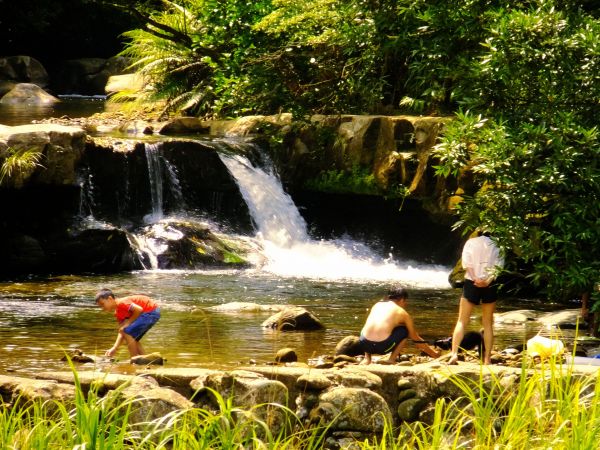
136,314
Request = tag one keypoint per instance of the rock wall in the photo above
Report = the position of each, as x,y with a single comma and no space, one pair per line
395,150
46,204
355,400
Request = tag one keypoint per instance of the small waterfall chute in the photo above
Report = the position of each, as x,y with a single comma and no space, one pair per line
161,176
289,251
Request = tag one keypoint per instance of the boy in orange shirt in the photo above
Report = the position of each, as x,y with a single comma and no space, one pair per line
136,314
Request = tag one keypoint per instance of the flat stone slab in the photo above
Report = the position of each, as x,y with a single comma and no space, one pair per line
28,389
39,128
177,376
86,378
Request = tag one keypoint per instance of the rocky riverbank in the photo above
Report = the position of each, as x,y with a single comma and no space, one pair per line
356,400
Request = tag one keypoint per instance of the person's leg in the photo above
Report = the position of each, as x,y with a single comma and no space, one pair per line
367,359
396,352
487,320
132,344
464,316
138,329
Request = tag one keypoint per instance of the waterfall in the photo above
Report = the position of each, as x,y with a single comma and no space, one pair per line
289,250
158,166
273,211
155,178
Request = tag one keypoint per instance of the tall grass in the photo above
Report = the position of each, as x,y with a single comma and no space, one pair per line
549,406
19,162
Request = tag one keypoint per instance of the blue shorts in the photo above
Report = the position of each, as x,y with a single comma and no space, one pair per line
387,345
477,295
142,324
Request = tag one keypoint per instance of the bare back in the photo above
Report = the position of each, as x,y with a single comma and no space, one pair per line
385,315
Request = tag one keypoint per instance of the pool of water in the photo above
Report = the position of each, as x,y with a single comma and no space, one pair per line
41,319
69,106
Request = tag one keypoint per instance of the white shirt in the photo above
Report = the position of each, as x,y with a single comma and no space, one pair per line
483,256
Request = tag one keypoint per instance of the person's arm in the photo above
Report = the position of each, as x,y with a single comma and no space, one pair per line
136,310
111,351
418,340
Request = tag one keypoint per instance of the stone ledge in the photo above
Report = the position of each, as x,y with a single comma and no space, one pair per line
337,396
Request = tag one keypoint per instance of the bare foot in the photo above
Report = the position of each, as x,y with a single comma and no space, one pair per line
453,361
386,362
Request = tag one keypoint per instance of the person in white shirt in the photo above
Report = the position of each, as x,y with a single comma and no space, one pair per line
481,260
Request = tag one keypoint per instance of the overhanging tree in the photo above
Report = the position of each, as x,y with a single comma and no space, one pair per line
530,135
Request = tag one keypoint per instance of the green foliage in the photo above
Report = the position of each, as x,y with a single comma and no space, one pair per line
532,140
328,57
359,180
19,162
190,55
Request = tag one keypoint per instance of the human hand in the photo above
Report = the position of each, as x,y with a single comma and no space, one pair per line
481,282
110,352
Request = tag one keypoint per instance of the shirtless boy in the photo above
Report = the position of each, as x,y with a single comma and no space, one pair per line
136,314
388,326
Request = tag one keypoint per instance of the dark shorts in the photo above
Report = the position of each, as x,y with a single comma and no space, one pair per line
382,347
142,324
477,295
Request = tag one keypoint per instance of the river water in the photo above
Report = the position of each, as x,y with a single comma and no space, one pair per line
337,280
41,319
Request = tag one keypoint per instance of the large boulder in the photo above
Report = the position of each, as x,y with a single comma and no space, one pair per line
149,401
23,391
350,346
352,409
192,245
28,94
293,318
22,69
247,389
101,381
262,398
60,150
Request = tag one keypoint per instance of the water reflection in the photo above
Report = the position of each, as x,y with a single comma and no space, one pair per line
70,106
39,320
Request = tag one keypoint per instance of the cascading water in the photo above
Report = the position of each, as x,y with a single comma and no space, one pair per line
153,158
290,252
158,166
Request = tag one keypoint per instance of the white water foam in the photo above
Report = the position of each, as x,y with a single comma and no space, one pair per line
290,252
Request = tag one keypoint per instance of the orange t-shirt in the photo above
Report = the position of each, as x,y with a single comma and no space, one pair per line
123,310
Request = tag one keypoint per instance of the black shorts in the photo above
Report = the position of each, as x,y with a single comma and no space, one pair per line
387,345
477,295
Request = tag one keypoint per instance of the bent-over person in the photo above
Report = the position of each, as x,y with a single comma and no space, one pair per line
136,314
388,326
